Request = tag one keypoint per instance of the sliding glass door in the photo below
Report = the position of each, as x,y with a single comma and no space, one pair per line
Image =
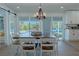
57,27
28,25
1,26
24,27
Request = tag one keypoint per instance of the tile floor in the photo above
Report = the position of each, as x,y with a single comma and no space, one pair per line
68,49
64,49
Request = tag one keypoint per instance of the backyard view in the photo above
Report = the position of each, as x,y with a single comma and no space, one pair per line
27,27
57,29
1,24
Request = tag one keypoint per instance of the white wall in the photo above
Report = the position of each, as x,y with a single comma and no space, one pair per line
72,17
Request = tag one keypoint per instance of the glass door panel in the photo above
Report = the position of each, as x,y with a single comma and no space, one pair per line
1,26
24,27
57,28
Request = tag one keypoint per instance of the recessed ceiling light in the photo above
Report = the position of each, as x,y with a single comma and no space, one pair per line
61,7
18,7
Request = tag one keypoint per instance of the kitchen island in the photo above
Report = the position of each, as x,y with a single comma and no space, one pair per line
46,44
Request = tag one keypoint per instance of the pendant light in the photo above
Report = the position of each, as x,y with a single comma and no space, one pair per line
40,14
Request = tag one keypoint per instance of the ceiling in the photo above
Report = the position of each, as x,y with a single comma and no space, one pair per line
47,7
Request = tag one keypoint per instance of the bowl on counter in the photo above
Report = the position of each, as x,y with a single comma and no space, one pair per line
37,35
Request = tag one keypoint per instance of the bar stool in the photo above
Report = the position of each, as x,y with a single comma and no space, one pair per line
28,47
48,45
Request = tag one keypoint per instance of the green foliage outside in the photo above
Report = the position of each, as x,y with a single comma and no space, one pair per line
25,27
55,25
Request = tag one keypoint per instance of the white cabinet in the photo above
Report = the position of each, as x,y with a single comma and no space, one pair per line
73,34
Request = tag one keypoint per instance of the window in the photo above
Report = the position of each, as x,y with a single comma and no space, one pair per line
27,26
2,14
57,29
1,26
24,27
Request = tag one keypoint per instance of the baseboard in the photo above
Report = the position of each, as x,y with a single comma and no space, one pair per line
72,40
